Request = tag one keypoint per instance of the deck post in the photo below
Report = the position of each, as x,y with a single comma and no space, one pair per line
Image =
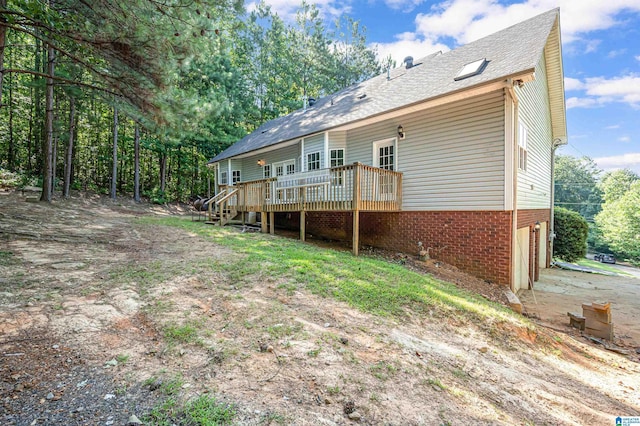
272,223
356,209
263,222
302,225
356,232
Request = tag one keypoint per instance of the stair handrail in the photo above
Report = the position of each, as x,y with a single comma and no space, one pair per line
213,199
226,197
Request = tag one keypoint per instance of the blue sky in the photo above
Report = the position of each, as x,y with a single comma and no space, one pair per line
601,50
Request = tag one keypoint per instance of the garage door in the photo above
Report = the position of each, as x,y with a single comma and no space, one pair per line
542,259
522,259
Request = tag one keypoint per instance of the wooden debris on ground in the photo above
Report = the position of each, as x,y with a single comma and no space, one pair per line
576,320
598,320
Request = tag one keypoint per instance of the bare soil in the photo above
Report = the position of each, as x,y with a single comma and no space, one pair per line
279,356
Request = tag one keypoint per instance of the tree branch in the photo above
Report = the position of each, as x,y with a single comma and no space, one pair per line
65,80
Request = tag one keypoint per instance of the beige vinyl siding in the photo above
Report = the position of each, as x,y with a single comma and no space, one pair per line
313,144
252,171
452,156
337,140
534,184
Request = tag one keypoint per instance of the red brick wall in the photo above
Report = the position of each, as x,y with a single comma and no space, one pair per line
476,242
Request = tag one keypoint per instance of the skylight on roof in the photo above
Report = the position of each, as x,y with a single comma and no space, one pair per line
471,69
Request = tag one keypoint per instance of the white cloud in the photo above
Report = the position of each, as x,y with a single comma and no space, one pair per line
625,139
468,20
618,89
572,84
601,90
629,160
286,9
575,102
615,53
613,127
592,45
637,58
407,44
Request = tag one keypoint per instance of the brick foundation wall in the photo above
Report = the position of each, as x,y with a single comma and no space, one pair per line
476,242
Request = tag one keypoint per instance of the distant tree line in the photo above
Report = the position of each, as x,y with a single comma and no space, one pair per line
610,203
133,98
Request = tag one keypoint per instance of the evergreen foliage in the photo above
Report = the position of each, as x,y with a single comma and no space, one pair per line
571,235
194,77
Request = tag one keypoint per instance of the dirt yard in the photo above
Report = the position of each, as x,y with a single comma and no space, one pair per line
79,347
561,291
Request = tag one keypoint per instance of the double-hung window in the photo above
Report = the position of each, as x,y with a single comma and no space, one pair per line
313,161
522,147
235,177
266,171
224,180
336,159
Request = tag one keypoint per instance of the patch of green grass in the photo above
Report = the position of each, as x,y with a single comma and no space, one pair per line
333,390
601,266
270,417
186,333
278,331
383,370
369,284
122,358
7,258
162,414
172,386
436,383
205,411
313,353
459,373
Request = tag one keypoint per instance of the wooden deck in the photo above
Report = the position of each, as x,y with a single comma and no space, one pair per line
355,188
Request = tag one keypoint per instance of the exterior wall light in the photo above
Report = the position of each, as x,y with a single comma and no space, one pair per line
261,163
401,132
537,226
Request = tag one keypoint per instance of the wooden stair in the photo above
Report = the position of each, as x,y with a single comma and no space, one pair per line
221,209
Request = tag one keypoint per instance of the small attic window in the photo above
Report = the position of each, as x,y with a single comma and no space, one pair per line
472,69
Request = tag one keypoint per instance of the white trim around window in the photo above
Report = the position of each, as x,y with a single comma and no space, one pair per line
286,167
336,157
522,147
235,177
385,154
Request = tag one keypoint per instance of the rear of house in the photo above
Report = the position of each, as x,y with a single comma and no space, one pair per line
452,152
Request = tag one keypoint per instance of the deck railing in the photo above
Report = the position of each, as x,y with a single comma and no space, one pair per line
345,188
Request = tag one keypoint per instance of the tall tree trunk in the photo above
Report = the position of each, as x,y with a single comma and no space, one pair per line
11,154
3,37
47,171
136,164
114,174
69,161
163,171
54,163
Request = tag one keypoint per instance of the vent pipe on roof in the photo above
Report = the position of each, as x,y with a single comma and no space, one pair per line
408,61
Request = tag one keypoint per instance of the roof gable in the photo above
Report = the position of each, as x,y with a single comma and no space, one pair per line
513,51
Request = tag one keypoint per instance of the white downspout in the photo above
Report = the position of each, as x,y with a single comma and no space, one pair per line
514,167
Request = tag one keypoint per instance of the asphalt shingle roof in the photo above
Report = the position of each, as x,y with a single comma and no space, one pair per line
512,51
